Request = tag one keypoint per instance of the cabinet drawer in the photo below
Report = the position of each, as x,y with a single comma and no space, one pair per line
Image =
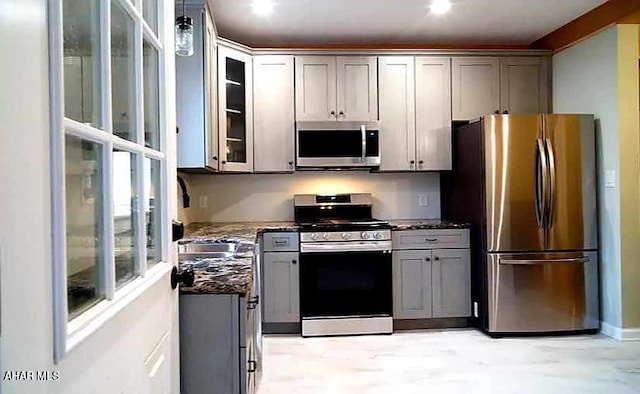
430,239
280,242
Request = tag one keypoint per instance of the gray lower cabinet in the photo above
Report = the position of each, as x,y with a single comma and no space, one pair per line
281,302
431,282
451,282
218,344
412,284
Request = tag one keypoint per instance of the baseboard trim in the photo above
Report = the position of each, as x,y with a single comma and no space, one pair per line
621,334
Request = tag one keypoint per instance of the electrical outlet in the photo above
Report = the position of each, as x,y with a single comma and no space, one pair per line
610,178
203,201
423,200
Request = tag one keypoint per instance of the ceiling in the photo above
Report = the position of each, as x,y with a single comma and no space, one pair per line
307,22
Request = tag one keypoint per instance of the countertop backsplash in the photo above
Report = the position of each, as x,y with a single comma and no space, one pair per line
269,197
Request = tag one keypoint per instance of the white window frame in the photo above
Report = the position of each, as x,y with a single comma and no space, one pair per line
68,334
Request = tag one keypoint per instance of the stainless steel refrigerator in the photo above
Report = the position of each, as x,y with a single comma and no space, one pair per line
527,183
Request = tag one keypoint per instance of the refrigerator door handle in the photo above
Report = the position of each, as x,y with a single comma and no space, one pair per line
540,191
544,261
552,182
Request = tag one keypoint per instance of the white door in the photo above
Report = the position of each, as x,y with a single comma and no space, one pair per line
524,85
315,87
86,224
397,113
433,113
357,88
476,87
273,113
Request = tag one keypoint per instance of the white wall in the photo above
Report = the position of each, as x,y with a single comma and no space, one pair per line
261,197
585,80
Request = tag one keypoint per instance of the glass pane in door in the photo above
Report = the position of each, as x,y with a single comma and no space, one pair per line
152,214
236,111
122,72
151,94
81,67
125,210
150,13
85,230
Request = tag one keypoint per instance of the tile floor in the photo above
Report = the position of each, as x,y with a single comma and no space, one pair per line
452,361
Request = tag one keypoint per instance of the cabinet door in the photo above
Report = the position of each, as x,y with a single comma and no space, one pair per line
397,113
210,97
281,294
315,87
273,113
524,85
236,110
451,283
412,284
357,88
476,87
433,113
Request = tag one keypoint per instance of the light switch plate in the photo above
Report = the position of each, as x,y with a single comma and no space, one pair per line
203,201
610,178
423,200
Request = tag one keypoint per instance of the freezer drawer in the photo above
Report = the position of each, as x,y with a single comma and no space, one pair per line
542,292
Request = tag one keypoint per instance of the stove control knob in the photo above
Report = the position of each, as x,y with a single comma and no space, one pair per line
346,236
364,235
377,235
325,235
314,236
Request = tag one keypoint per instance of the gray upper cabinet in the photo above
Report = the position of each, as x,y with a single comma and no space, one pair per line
397,113
235,95
280,287
336,88
315,87
451,282
196,85
433,113
357,88
524,84
273,113
412,280
476,86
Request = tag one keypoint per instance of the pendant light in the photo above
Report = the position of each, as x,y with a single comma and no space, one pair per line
184,34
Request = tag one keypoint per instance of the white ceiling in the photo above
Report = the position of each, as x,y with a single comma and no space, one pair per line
394,21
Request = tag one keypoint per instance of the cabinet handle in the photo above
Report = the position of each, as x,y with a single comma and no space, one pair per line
252,366
427,259
412,162
215,158
332,114
290,165
342,113
421,162
253,303
497,112
430,239
224,162
436,258
505,112
294,261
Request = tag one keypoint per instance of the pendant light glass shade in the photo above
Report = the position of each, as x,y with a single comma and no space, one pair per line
184,36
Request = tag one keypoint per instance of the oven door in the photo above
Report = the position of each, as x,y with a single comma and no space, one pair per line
344,284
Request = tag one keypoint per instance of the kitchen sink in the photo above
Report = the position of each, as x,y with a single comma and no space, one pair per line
195,251
207,248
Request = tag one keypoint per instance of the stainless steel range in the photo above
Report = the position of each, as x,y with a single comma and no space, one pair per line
345,266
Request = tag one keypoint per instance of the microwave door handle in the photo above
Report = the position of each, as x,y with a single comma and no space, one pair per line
363,129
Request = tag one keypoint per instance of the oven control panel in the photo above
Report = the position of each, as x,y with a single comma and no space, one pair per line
335,236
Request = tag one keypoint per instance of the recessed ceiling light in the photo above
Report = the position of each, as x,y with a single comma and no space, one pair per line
440,7
262,7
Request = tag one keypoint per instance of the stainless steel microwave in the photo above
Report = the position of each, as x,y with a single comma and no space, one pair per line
334,144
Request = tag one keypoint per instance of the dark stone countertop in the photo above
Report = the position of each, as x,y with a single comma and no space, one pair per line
230,275
426,224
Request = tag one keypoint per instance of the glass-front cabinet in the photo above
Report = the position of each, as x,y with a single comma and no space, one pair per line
236,117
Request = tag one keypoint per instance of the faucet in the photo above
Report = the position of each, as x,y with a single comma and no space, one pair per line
186,200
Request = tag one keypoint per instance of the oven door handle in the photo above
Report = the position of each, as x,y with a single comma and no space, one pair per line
333,247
